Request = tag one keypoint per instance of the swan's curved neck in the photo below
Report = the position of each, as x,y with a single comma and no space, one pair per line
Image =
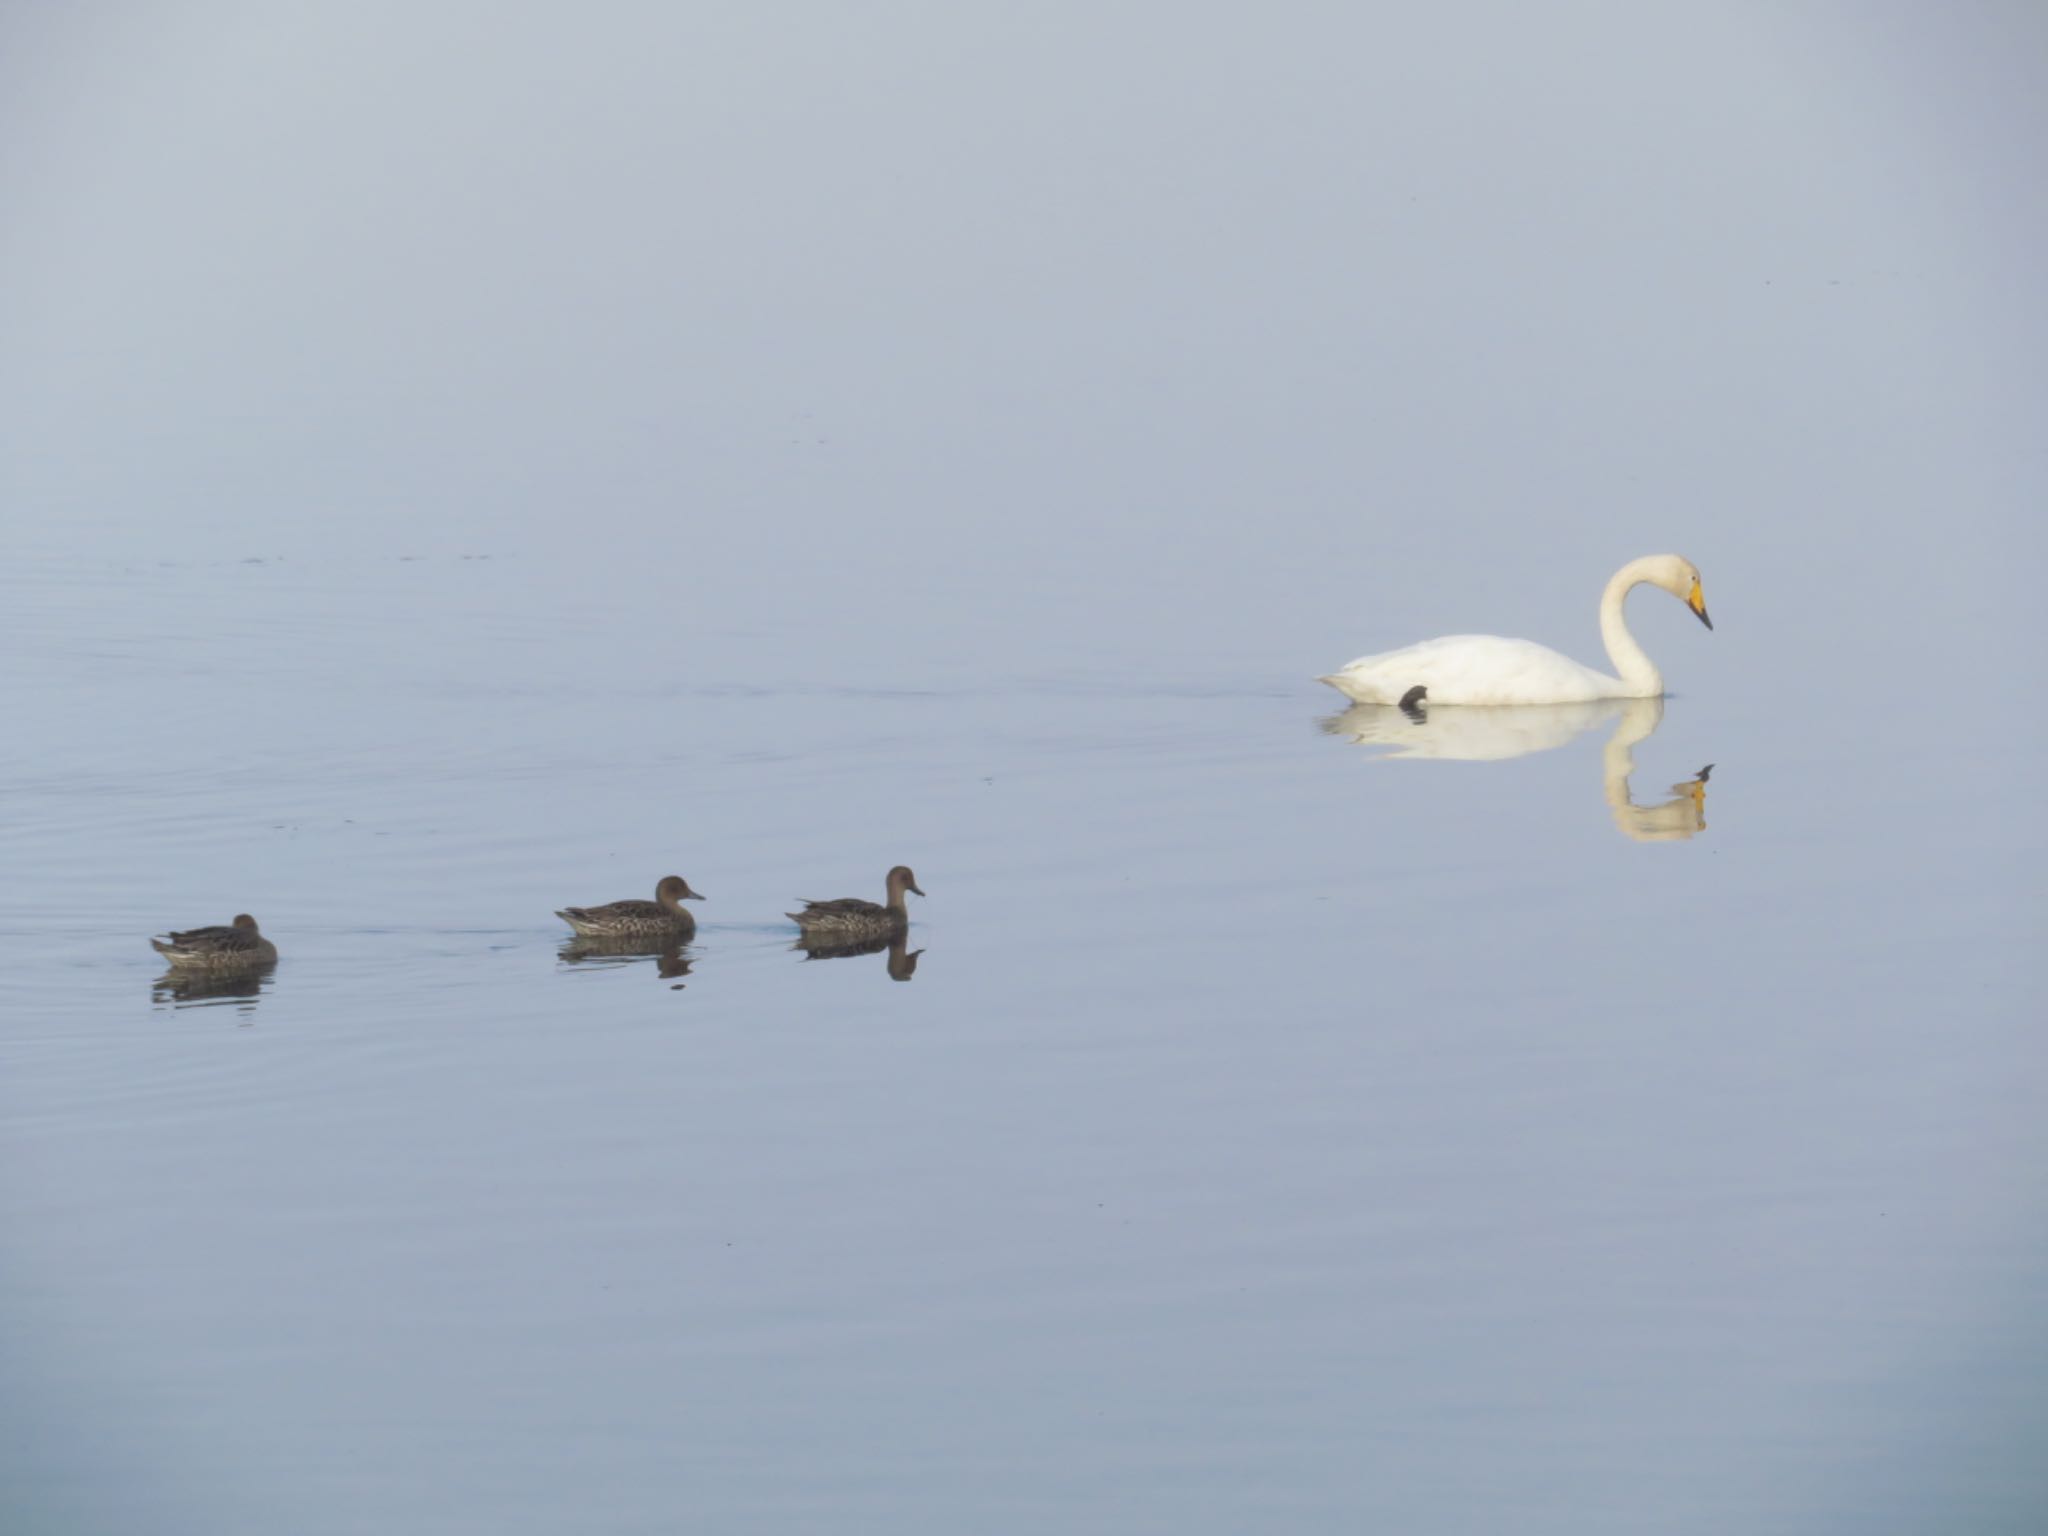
1639,675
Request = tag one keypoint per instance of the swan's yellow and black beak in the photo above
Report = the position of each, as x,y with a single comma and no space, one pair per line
1697,602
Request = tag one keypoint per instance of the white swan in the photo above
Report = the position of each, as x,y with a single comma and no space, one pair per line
1486,669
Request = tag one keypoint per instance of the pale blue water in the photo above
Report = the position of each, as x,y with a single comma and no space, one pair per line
1269,1137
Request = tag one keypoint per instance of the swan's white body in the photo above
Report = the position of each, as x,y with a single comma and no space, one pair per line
1487,669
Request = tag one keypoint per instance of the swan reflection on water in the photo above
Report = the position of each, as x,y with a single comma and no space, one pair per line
196,987
902,961
1473,733
670,963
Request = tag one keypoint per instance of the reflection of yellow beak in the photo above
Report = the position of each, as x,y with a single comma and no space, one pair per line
1696,600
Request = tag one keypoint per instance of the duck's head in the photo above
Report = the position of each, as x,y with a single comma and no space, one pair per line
1681,578
901,880
245,922
675,888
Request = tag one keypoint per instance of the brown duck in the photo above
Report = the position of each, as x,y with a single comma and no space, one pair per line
849,918
661,918
237,946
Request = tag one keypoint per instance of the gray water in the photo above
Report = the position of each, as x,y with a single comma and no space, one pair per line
1281,1117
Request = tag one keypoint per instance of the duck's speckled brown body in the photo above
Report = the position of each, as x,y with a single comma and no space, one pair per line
661,918
239,945
849,919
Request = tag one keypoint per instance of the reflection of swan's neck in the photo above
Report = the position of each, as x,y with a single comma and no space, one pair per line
1671,822
1639,676
1639,717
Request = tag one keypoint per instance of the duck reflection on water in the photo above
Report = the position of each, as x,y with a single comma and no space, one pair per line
670,961
1477,733
902,961
187,987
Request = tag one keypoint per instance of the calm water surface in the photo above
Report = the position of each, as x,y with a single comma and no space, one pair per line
1281,1119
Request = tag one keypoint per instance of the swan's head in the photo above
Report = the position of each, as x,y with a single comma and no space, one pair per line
673,889
1681,578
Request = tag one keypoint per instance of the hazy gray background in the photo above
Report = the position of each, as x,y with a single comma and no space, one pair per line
1165,326
461,460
